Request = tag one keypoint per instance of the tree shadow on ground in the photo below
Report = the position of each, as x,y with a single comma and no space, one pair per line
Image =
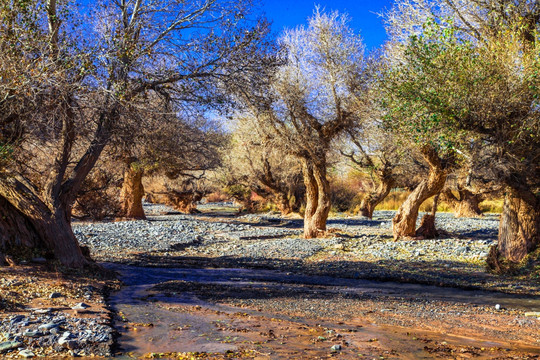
439,273
222,284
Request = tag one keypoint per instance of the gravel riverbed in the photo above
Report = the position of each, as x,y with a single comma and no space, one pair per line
356,247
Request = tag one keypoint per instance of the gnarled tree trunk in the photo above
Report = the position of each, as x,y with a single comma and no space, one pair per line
374,198
404,222
317,198
467,205
17,234
519,228
42,226
427,229
133,192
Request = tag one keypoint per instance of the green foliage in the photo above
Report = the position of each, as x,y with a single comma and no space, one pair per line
449,88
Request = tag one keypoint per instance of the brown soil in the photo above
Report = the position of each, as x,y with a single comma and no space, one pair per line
25,290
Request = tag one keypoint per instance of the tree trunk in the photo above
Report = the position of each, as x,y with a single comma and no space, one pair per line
467,205
283,203
404,222
427,229
317,198
38,225
374,198
17,234
133,192
519,228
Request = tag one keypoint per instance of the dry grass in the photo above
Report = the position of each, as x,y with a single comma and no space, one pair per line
394,200
492,205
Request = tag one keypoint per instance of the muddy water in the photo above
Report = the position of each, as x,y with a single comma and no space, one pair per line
188,316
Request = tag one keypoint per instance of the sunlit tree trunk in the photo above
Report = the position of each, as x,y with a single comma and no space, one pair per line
133,192
372,199
519,228
467,205
427,229
404,222
317,198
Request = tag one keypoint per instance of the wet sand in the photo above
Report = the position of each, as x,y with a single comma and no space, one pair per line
261,314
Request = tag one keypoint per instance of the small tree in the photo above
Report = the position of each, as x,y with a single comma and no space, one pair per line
159,140
381,157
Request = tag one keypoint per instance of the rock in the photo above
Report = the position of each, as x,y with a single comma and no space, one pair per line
497,307
80,306
533,313
16,319
9,345
462,249
335,348
26,353
66,341
42,311
48,326
55,331
31,333
55,295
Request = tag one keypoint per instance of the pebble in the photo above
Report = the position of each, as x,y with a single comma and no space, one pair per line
26,353
9,345
31,333
80,306
48,326
16,319
335,348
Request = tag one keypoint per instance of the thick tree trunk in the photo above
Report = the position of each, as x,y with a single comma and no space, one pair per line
467,205
519,228
50,228
17,234
317,198
427,229
404,222
372,199
133,193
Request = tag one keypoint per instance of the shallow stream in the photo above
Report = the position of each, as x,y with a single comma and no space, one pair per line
162,320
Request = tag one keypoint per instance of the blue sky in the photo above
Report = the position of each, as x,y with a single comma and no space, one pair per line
289,14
